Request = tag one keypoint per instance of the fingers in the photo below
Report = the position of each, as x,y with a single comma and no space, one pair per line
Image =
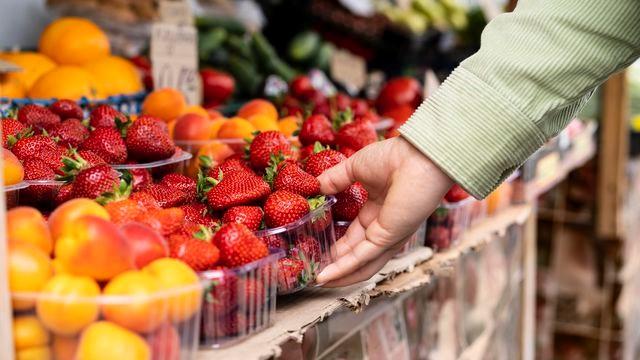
338,178
365,272
362,253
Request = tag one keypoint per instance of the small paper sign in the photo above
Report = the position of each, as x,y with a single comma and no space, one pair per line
174,56
431,83
177,12
348,69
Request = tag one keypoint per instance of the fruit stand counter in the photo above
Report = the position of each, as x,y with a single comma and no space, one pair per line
295,315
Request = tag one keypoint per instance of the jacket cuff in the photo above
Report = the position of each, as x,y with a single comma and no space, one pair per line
473,133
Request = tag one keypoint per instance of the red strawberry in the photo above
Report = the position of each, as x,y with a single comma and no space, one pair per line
65,193
69,132
455,194
347,151
268,144
67,109
183,183
195,250
77,161
251,216
360,107
254,291
221,297
316,128
238,245
166,221
275,241
198,213
290,273
284,207
341,228
229,165
165,196
38,117
54,158
94,181
123,211
307,248
229,325
36,169
356,135
105,116
145,200
291,178
349,202
33,146
323,160
237,188
13,128
148,140
108,144
141,178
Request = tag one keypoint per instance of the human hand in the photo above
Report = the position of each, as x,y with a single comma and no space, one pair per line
404,187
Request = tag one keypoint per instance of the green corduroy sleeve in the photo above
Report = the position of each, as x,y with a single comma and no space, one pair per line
535,70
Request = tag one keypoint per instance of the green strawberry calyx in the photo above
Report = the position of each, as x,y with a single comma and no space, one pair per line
121,191
342,118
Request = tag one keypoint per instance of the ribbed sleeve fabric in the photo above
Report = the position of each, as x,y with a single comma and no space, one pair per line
535,70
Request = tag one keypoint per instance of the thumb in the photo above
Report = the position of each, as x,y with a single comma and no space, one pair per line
337,178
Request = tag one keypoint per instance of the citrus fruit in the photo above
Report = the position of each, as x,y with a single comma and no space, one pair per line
236,128
29,332
166,104
115,75
66,82
33,66
68,303
29,270
107,341
11,87
26,224
258,106
73,41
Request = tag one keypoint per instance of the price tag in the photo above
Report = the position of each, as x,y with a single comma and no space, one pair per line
431,83
174,55
348,69
176,12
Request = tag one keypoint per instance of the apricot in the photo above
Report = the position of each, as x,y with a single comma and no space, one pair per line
64,347
217,151
107,341
165,104
29,270
258,106
263,123
65,215
289,125
192,127
29,332
12,170
26,224
236,128
214,126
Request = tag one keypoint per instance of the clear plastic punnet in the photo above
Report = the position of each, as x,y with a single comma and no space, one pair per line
161,325
175,163
12,193
447,223
309,246
239,302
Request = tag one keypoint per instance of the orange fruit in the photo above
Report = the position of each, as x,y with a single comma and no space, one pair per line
289,125
258,106
263,123
65,215
11,87
166,104
12,169
215,150
74,41
66,82
68,303
144,312
64,347
28,332
236,128
29,271
215,126
181,284
107,341
34,353
115,75
26,224
33,66
171,126
195,109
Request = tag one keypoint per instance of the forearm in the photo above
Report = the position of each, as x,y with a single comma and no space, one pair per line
536,68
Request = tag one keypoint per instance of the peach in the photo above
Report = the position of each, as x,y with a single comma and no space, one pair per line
214,127
215,150
64,216
264,123
34,353
28,332
192,127
107,341
182,285
94,247
27,224
145,243
214,114
12,170
258,106
142,311
29,270
64,347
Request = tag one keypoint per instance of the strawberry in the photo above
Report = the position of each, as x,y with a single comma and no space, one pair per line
36,169
67,109
141,178
95,181
236,188
347,151
165,196
238,245
283,207
54,157
251,216
169,220
439,237
227,326
304,153
356,135
33,146
145,200
323,160
341,228
148,140
316,128
164,343
275,241
69,132
360,107
11,131
183,183
108,144
307,248
291,178
290,273
267,144
105,116
124,211
65,193
196,250
456,194
349,202
38,117
221,295
198,213
229,165
77,161
254,291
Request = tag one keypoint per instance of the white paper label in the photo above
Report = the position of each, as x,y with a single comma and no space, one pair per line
348,69
177,12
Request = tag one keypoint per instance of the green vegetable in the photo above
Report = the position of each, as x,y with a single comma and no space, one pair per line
304,46
238,46
245,74
323,58
210,41
230,25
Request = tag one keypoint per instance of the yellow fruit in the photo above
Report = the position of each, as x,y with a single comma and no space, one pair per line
74,41
115,75
28,332
166,104
29,271
35,353
26,224
263,123
196,109
12,88
107,341
236,128
69,303
288,125
64,347
258,106
216,124
33,65
182,284
66,82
